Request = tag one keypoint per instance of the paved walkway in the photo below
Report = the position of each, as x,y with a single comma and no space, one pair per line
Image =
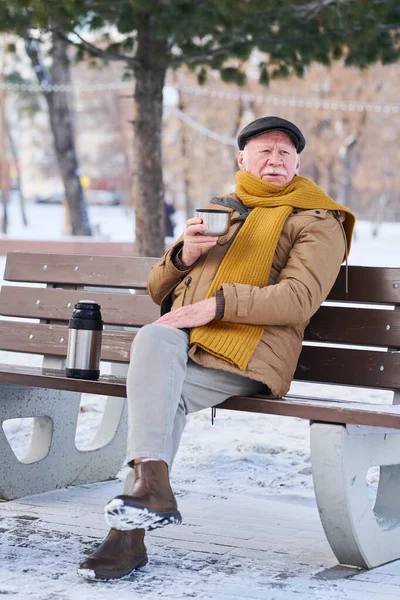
228,547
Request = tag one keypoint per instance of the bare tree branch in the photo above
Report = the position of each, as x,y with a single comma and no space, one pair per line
104,54
206,55
315,6
32,50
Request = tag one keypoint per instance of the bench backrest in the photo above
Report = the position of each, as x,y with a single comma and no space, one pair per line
368,317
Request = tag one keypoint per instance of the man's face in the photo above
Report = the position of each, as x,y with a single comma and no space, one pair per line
270,156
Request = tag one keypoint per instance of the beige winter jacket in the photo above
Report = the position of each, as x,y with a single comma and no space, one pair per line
306,263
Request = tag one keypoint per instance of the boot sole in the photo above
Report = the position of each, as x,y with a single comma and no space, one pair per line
127,517
91,575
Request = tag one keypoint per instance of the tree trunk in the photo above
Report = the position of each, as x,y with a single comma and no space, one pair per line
235,132
14,154
346,152
150,73
346,156
379,212
4,178
185,160
332,179
4,174
61,123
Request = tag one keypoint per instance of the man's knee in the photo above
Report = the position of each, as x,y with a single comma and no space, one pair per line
151,336
159,332
147,332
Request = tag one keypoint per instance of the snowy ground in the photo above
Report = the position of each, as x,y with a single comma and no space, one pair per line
242,455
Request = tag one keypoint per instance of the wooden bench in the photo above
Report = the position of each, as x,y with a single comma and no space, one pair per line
347,438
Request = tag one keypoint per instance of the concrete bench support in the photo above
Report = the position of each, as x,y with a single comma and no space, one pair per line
359,534
53,461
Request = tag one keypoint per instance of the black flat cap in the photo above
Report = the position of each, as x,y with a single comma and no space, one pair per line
266,124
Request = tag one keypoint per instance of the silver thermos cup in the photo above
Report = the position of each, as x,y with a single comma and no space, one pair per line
84,341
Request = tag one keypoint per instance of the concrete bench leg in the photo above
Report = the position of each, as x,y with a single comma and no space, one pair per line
358,533
111,435
53,461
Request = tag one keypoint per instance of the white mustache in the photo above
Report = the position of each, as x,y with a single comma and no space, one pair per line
274,171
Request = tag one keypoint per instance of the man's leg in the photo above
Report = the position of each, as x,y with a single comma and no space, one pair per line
204,388
163,387
155,379
156,372
157,416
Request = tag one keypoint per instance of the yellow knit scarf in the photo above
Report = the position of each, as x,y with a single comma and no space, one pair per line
249,259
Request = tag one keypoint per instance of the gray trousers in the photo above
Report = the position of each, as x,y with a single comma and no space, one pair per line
164,385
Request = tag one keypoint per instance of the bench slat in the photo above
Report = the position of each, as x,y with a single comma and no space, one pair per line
319,410
349,367
368,284
330,324
317,363
55,379
57,304
105,271
357,326
53,340
314,409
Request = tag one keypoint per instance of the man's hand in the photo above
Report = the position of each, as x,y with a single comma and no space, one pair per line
194,242
194,315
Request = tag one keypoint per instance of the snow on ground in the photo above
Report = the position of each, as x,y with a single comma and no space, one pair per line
252,455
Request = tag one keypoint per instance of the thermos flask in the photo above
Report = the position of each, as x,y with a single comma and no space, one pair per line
84,341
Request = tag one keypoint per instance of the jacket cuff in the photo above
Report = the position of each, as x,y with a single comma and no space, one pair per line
237,299
220,298
176,261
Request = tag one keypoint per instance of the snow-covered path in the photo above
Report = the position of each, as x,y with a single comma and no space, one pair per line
229,547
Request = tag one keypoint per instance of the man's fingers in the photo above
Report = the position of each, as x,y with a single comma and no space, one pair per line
198,233
205,241
194,221
196,228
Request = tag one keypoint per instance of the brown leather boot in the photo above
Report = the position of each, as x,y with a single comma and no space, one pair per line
119,554
150,504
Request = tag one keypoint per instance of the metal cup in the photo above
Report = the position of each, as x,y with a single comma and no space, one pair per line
219,221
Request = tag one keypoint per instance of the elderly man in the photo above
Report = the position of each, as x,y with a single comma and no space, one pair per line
234,310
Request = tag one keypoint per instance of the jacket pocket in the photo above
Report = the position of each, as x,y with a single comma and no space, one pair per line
319,213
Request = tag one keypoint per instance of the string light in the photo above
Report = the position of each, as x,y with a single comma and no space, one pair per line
290,101
352,106
227,141
78,87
